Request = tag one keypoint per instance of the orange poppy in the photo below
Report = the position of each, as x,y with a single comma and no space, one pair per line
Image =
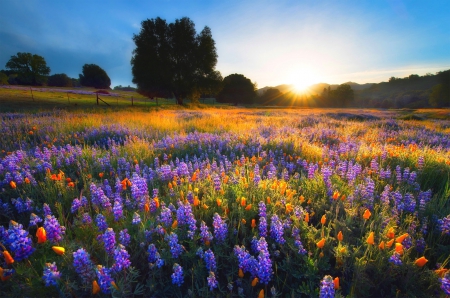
340,236
240,273
323,220
255,281
336,283
421,261
381,245
8,259
59,250
12,184
41,234
370,240
321,243
261,294
400,238
367,214
391,233
253,225
249,206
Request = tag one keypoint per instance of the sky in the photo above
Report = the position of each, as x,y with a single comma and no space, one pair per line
270,42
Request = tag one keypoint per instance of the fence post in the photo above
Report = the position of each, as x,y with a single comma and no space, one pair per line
97,97
32,93
68,97
131,100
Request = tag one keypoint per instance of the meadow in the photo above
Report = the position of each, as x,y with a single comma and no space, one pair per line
225,203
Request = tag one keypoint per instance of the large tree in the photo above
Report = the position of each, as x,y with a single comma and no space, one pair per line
237,89
30,69
59,80
343,96
173,60
94,76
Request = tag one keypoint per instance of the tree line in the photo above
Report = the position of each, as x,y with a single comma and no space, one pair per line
32,69
173,60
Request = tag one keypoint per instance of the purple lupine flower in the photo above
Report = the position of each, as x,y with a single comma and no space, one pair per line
47,210
86,219
246,262
205,233
18,241
177,275
21,205
51,275
175,248
34,220
420,245
100,221
104,279
54,230
118,209
212,281
264,270
166,216
121,258
301,250
76,204
83,265
139,190
398,174
136,219
444,225
276,230
190,197
445,284
327,287
124,237
109,241
395,259
153,256
262,226
257,177
217,184
210,260
185,217
420,162
220,228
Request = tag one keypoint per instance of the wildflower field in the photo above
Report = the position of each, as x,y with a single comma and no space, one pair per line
224,203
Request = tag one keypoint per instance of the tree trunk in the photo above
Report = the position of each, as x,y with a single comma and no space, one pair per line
180,100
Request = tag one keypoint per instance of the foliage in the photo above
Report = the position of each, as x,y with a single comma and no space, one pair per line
172,59
3,78
30,69
212,199
94,76
59,80
124,88
237,89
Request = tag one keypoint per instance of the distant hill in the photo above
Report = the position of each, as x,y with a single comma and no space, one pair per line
316,88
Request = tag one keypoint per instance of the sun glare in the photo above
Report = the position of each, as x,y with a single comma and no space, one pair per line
302,80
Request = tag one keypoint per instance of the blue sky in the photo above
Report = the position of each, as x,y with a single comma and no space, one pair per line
270,42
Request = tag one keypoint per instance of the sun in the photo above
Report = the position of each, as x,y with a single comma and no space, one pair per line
301,80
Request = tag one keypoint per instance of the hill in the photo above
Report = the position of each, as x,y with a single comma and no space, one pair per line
316,88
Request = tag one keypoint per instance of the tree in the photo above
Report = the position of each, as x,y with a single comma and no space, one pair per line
94,76
173,60
270,97
3,78
59,80
237,89
342,96
30,69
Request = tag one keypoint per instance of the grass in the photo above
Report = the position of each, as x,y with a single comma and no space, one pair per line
290,149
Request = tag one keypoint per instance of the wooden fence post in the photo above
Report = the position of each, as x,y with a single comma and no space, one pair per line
32,93
97,97
131,100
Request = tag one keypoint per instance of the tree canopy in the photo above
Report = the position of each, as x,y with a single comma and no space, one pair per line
3,78
237,89
173,60
343,96
30,69
59,80
94,76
